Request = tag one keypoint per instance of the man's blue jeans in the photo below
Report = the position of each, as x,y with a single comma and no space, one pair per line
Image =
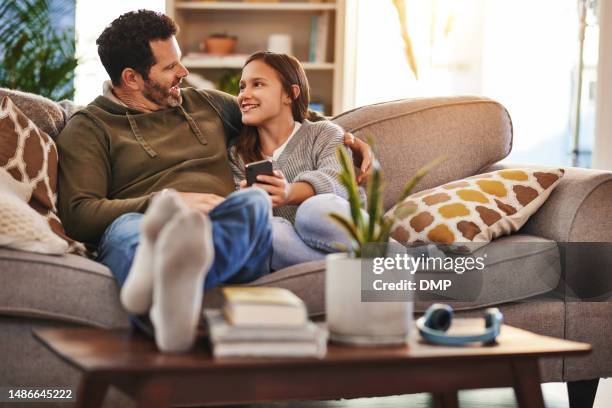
242,238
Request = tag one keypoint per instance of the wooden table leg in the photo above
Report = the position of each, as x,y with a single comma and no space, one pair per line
527,383
91,392
446,399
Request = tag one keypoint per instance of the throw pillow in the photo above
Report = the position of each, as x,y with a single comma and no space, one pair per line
473,211
20,226
29,155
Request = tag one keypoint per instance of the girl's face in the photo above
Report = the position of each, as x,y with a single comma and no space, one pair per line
261,96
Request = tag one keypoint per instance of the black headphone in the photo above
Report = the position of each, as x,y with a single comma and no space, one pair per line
438,318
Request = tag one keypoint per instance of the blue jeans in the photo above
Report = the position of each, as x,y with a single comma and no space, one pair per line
242,239
314,234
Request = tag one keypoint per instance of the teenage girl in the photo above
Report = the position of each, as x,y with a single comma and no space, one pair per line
304,189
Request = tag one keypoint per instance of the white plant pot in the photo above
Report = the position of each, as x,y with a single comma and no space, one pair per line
352,321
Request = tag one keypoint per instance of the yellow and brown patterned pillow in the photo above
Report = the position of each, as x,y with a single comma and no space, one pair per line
29,155
475,210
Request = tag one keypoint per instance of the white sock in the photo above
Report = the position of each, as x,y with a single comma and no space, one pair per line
184,252
137,292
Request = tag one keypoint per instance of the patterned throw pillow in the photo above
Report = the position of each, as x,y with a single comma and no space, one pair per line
30,157
473,211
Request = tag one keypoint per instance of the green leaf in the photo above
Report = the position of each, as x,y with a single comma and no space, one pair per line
35,56
374,193
348,179
353,232
385,230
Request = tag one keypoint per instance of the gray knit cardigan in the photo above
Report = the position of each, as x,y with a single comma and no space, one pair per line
310,156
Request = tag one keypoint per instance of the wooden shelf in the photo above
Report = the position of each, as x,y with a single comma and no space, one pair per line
255,6
253,23
217,63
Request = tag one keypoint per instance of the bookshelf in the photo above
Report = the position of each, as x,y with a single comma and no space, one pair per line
253,23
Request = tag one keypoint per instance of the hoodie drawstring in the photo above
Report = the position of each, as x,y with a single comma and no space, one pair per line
193,125
141,141
147,148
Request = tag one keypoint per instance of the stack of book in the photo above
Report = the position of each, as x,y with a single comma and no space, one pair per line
264,322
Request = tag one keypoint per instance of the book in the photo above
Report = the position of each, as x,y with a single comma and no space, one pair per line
268,349
227,340
220,330
312,46
263,306
322,37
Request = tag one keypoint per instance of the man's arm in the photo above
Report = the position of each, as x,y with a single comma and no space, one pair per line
227,107
362,153
83,180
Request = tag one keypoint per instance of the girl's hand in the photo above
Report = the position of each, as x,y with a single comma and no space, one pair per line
277,186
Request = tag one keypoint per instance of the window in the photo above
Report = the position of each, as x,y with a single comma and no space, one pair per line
521,53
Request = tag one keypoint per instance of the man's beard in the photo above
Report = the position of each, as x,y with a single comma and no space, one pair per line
160,95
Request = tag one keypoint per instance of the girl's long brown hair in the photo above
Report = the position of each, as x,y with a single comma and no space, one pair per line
291,73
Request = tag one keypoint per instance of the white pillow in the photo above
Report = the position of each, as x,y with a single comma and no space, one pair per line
21,227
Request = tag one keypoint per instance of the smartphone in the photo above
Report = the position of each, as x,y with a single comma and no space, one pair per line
263,167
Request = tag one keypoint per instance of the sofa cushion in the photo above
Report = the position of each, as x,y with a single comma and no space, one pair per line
412,132
70,288
518,267
46,114
469,213
30,156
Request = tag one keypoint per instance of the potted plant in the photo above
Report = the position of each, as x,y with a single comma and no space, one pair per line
220,43
350,320
36,56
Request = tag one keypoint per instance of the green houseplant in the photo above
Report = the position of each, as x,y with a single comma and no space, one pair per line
36,56
370,237
351,321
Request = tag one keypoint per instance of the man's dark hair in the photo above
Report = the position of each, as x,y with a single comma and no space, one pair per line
125,42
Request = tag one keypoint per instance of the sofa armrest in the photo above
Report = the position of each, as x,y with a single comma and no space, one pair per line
578,210
578,215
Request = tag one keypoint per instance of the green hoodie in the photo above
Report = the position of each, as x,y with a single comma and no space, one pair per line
113,158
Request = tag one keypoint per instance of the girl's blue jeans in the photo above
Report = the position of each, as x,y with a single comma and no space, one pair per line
313,235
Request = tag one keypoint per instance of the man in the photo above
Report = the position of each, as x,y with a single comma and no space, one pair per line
145,135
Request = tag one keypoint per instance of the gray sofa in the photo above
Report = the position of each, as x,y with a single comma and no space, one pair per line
38,291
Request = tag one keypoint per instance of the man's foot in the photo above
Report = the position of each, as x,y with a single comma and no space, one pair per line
137,292
184,252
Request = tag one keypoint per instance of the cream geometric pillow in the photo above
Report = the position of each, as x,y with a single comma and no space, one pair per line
475,210
21,227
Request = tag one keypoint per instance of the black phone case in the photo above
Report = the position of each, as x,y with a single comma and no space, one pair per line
255,169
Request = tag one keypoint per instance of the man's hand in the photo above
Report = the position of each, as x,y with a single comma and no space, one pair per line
203,202
362,156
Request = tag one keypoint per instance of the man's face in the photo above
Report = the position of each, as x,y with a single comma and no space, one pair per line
162,86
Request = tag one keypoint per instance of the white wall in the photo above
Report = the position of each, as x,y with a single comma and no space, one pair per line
602,151
92,17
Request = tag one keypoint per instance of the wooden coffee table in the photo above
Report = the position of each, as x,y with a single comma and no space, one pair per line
132,363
